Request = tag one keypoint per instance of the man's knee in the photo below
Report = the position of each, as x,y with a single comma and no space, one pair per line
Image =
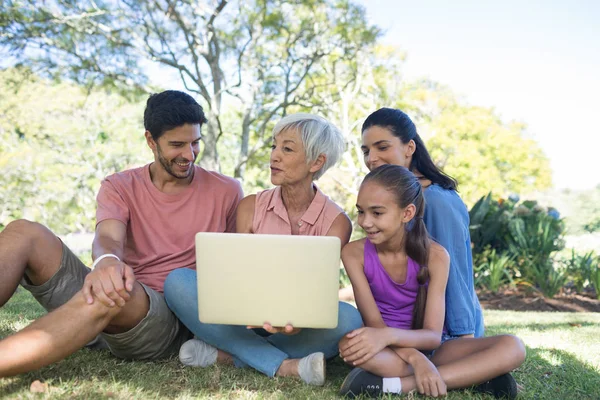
122,319
23,229
97,309
27,233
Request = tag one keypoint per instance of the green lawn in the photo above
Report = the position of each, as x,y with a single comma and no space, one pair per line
563,362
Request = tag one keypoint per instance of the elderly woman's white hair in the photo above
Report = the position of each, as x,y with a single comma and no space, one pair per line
318,136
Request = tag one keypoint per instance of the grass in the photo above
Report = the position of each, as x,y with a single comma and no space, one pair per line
563,362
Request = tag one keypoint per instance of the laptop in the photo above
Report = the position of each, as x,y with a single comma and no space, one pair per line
250,279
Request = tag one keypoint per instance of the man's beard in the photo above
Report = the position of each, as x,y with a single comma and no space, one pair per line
168,166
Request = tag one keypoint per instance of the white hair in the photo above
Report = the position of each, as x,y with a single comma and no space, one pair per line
318,136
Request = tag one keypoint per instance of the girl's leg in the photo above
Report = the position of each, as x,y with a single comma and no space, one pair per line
243,344
386,363
380,374
460,363
470,361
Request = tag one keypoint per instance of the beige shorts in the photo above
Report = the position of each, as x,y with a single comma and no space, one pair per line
158,335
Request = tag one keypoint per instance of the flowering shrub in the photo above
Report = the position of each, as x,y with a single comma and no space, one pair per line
526,233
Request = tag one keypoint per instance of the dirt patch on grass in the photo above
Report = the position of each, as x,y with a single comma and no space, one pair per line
520,300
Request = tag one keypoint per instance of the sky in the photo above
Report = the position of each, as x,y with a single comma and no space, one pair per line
533,61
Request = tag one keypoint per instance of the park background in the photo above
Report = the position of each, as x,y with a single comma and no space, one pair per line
503,93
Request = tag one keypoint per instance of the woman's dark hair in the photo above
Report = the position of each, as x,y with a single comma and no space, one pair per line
403,128
406,188
170,109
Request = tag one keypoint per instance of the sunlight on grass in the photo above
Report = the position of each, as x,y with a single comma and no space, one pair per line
575,333
552,359
17,326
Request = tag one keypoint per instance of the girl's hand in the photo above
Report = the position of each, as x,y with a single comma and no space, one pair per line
362,344
429,381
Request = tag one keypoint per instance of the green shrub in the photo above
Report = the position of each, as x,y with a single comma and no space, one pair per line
546,277
489,223
533,240
595,276
524,232
492,270
580,268
491,220
584,270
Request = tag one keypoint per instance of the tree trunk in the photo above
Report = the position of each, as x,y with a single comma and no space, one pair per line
210,156
240,168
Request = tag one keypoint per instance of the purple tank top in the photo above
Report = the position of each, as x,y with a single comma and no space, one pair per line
395,301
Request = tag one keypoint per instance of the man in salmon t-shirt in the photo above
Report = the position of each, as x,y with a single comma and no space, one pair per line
146,221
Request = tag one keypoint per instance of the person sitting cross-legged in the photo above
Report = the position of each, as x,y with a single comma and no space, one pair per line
399,275
146,221
304,147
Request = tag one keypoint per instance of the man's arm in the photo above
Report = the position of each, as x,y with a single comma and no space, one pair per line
109,238
111,279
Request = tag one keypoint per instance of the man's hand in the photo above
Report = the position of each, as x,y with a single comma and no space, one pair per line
286,330
110,282
363,343
428,379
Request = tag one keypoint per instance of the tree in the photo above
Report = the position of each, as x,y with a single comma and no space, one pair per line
486,154
363,84
257,56
474,145
53,154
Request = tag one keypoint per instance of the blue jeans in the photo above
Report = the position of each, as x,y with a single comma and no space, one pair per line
250,347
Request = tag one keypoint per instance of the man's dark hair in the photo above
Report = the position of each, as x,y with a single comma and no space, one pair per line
168,110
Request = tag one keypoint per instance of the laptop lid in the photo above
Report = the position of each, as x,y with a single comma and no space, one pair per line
250,279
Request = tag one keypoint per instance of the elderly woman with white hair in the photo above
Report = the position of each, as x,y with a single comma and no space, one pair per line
304,146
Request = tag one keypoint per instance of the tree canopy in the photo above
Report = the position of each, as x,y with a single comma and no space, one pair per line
260,56
57,142
72,100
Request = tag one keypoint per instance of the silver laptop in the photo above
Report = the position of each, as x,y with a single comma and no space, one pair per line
250,279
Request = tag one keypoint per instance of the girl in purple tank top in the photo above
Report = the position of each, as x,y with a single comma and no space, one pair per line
399,277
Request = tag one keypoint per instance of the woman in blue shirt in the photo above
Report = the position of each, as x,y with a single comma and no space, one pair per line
390,137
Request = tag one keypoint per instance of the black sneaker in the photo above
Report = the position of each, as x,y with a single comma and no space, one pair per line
360,382
501,387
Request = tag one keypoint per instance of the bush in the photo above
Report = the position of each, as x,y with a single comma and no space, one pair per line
492,270
595,277
584,270
526,233
580,269
489,223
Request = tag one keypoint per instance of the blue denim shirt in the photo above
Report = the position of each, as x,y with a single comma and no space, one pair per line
447,221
